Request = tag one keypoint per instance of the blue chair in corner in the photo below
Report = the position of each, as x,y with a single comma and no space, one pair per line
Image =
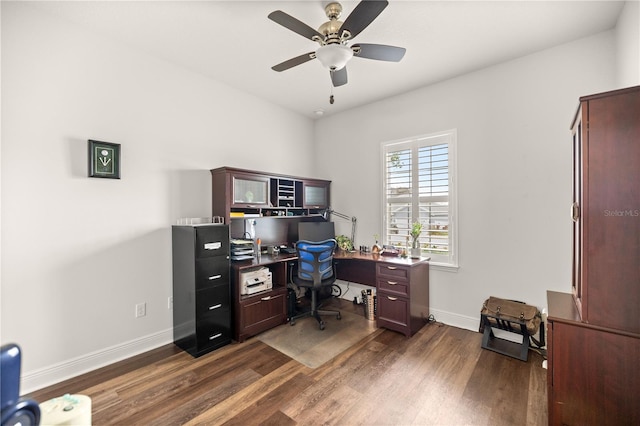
15,410
315,271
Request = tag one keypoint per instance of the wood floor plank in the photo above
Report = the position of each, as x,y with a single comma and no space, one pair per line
268,408
537,402
240,401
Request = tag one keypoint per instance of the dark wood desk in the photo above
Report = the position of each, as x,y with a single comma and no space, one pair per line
402,291
402,287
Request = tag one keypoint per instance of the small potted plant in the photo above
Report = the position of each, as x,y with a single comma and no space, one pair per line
376,248
416,230
344,243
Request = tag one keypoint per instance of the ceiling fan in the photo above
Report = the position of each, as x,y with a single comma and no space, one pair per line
333,36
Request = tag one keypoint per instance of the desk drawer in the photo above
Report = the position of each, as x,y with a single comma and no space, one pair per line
394,286
393,272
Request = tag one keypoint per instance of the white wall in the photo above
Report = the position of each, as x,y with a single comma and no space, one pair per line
628,45
78,253
514,170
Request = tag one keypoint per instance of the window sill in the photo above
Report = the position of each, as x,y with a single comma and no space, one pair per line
446,267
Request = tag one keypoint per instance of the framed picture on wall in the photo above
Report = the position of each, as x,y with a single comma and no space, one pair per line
104,159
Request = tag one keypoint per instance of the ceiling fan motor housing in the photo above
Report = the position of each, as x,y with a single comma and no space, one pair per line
331,28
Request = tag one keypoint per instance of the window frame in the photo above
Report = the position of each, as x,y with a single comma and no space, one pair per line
447,262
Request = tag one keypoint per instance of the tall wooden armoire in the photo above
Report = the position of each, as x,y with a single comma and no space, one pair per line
594,333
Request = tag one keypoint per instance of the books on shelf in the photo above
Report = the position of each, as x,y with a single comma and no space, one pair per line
244,214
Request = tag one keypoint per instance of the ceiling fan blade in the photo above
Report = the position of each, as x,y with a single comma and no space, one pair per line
363,14
379,52
293,24
339,77
294,61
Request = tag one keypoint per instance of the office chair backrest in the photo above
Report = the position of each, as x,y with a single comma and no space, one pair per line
315,260
14,410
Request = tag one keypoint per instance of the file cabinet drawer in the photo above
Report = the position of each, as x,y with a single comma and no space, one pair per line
212,300
213,329
262,313
393,313
212,241
211,272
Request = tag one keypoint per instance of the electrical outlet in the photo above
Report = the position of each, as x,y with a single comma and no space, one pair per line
170,302
141,309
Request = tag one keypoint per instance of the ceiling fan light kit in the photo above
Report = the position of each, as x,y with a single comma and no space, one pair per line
334,56
333,36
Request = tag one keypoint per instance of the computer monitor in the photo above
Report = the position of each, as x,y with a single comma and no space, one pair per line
316,231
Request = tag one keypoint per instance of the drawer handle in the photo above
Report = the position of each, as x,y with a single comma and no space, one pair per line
392,282
215,336
213,246
393,299
264,299
214,277
219,305
393,268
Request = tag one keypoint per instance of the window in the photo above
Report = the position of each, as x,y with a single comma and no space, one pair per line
419,177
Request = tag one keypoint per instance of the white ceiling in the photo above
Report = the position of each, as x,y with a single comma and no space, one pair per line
235,43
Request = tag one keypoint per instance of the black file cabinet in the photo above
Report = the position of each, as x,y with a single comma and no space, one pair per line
201,289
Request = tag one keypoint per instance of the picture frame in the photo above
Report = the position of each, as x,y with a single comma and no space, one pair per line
104,159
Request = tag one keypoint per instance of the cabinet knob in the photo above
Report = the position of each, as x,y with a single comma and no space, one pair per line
393,299
214,277
219,305
393,268
392,282
264,299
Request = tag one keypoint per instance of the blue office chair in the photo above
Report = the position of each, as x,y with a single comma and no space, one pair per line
15,411
315,271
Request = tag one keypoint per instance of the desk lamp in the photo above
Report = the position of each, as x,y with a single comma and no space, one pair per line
330,211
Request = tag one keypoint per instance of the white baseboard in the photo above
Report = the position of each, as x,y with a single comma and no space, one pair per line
456,320
34,380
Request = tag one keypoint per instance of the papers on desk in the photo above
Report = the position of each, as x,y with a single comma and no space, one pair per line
241,257
241,249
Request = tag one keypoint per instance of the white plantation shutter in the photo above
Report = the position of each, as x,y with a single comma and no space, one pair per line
419,185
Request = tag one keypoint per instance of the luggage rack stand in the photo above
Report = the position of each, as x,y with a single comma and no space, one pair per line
504,346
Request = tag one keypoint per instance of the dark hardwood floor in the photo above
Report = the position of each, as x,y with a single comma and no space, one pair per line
440,376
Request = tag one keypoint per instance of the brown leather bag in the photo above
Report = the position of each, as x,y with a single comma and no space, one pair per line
511,310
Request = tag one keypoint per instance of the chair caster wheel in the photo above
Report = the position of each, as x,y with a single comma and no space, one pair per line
322,325
292,322
339,316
